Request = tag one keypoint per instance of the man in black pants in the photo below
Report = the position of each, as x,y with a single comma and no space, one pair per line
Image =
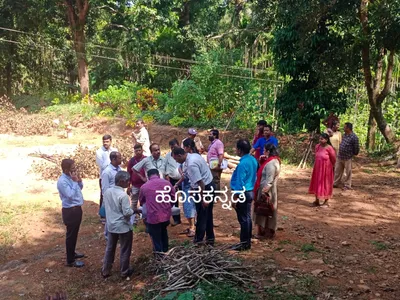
171,173
200,177
69,186
243,180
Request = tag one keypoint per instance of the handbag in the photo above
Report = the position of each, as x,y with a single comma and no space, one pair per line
263,206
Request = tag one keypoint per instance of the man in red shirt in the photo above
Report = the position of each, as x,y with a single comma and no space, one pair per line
259,134
136,180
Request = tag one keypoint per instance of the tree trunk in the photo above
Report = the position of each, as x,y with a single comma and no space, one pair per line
370,145
83,70
77,12
373,80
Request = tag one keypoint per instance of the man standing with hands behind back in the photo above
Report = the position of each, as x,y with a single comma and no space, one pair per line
69,187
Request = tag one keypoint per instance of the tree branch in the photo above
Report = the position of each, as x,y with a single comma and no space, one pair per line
83,12
71,14
388,78
379,71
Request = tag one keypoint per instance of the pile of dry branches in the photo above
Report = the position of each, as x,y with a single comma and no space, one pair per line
187,267
20,122
84,157
50,168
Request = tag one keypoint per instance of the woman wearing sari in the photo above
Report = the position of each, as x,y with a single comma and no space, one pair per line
321,184
266,189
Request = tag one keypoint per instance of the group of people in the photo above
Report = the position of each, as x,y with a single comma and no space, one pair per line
124,194
333,161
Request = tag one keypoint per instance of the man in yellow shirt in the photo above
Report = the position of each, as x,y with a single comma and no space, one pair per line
335,136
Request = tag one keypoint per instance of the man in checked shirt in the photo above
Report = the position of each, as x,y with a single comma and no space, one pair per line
347,149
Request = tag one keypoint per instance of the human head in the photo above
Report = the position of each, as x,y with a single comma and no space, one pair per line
67,166
271,150
214,134
115,158
179,155
155,150
152,172
335,125
243,147
138,150
192,133
122,179
348,127
267,131
324,139
190,146
260,125
173,144
139,124
107,139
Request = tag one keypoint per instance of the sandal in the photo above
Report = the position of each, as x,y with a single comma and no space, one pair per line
191,233
325,204
315,204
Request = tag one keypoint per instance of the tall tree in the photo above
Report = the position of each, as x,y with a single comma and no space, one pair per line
380,24
77,11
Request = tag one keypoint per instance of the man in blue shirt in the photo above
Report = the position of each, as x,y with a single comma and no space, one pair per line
244,178
268,138
69,187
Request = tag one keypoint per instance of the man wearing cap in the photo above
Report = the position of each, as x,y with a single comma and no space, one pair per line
192,135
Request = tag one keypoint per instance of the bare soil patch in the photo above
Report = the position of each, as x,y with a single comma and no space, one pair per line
349,251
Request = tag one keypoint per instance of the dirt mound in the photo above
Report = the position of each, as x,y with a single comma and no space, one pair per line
20,122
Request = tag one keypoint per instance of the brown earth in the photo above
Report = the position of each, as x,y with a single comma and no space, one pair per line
348,251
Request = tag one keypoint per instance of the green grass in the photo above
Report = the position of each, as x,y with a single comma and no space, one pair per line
379,245
281,293
70,110
308,283
285,242
139,228
217,291
308,248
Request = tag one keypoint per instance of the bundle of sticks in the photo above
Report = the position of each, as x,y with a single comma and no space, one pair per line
186,267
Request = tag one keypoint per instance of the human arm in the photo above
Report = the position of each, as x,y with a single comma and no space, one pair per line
268,177
356,146
332,155
105,182
68,189
127,211
136,169
142,197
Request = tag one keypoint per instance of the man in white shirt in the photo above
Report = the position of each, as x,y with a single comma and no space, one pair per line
172,174
119,211
154,161
103,158
141,136
108,177
200,176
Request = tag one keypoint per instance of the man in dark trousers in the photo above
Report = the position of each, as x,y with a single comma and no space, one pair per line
200,176
118,212
69,187
244,178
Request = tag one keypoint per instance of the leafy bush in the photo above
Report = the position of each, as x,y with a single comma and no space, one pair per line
146,99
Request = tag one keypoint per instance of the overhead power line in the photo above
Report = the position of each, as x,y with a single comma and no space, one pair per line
167,57
141,63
